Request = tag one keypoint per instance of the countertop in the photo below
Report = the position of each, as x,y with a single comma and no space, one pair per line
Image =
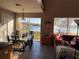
4,45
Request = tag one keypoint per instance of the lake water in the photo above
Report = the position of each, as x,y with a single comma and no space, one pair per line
35,28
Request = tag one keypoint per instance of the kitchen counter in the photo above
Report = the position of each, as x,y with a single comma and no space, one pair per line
6,50
4,45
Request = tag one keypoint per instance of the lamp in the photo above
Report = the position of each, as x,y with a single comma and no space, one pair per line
77,22
23,15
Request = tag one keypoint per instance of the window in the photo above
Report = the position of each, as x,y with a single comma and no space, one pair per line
29,24
65,26
6,27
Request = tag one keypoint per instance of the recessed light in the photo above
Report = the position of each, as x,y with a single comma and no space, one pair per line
17,4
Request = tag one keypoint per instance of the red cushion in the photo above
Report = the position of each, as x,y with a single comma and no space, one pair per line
57,37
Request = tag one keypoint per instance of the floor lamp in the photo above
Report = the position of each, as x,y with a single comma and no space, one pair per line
77,22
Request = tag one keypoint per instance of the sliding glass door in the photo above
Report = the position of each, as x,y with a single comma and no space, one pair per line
29,24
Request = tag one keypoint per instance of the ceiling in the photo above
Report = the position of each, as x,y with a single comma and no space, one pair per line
29,6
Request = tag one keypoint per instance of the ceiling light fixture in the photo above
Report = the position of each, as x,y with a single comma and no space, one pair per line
23,15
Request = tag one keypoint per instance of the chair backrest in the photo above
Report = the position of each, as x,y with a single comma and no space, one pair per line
8,39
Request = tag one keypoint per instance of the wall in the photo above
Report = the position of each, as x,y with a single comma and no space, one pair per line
62,8
55,8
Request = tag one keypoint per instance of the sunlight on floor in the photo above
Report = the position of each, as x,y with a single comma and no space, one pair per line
36,40
16,55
